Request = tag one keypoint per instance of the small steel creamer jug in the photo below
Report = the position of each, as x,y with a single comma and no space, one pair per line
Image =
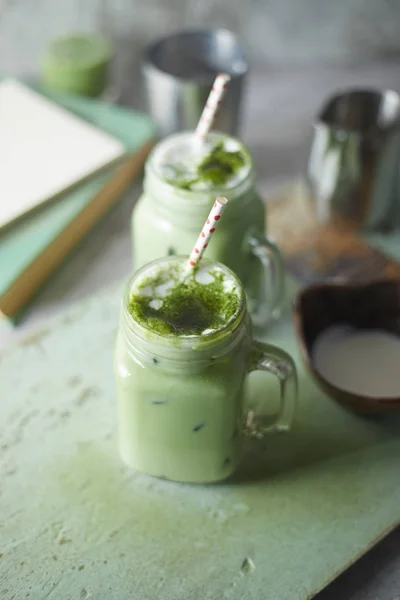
354,162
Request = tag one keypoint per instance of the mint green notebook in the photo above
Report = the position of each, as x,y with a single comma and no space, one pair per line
23,244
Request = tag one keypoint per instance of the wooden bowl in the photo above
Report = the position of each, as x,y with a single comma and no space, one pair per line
364,306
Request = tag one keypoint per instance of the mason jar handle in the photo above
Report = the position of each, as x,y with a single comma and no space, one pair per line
265,357
273,289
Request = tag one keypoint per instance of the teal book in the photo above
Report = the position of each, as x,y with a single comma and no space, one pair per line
33,247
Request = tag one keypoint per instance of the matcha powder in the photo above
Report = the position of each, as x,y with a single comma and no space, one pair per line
189,308
216,169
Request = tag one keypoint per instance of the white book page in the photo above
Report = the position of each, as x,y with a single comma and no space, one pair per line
44,149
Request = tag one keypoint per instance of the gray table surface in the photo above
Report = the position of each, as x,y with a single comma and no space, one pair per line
277,125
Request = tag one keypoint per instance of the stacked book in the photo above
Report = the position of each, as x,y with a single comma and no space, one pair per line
64,162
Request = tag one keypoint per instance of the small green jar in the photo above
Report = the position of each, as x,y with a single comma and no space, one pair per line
78,64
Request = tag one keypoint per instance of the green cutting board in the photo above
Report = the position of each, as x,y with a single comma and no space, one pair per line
76,524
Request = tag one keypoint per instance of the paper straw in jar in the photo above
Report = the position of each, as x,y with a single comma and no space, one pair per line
210,110
207,231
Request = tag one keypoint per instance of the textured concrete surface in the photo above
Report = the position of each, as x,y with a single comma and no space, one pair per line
376,576
279,31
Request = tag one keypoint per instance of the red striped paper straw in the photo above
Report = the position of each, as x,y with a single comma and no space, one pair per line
213,102
207,231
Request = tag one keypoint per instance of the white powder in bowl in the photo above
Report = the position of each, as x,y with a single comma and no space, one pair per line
364,362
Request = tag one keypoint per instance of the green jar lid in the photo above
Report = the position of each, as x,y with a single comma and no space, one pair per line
77,64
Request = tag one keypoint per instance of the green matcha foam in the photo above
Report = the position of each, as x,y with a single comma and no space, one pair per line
169,301
223,162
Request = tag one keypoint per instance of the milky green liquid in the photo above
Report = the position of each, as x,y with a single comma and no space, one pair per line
77,64
178,419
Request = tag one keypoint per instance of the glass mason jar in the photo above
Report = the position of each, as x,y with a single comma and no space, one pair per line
181,407
167,220
82,56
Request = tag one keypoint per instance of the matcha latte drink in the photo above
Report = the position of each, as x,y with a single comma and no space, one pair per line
180,186
183,351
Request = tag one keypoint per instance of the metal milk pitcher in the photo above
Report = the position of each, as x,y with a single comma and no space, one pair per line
354,162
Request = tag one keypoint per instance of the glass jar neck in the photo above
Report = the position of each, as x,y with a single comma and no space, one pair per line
180,353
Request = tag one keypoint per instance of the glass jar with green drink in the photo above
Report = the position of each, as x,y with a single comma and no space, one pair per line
183,351
180,185
83,56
